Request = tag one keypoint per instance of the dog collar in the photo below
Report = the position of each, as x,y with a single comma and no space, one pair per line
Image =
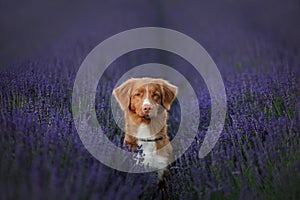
150,140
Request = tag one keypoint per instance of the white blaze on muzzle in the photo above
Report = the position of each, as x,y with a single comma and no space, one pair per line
146,100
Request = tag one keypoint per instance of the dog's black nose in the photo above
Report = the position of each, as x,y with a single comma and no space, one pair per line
146,108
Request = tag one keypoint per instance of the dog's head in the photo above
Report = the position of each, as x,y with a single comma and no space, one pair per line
145,96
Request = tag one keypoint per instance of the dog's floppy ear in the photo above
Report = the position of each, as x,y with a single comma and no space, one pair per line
123,92
169,94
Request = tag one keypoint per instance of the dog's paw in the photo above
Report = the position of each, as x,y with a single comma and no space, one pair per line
166,175
161,184
162,187
163,178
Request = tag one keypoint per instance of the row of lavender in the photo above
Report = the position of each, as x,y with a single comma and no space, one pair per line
41,154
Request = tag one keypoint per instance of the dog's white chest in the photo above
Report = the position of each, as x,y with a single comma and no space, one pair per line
149,155
143,132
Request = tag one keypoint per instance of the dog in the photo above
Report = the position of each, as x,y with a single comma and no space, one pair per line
145,102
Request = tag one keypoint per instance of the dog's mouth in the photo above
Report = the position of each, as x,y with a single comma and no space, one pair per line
147,116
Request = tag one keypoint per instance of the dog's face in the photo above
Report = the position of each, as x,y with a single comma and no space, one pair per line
146,100
145,96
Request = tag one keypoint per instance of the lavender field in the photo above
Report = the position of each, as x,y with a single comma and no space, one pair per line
256,51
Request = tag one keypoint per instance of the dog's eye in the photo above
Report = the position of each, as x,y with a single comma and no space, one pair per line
138,94
156,96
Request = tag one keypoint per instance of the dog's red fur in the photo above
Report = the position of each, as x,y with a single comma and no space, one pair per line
145,101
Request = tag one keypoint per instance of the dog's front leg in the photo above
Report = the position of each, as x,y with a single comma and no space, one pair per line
130,142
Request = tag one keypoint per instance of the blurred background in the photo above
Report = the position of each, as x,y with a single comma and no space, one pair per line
28,27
